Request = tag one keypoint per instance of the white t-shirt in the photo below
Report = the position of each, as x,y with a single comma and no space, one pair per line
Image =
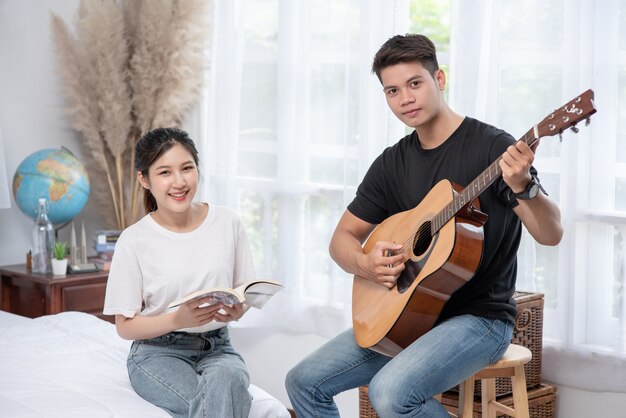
152,266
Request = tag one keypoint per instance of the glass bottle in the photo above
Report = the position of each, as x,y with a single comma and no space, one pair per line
43,240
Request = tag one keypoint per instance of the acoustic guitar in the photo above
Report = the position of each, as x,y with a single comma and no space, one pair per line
443,239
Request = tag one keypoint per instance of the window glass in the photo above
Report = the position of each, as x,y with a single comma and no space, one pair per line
258,214
531,25
622,25
432,19
261,30
618,288
258,88
334,116
526,94
257,164
620,123
620,195
333,170
334,26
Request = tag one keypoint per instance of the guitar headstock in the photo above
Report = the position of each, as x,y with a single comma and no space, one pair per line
567,116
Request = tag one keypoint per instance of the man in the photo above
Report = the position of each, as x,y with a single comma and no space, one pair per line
475,326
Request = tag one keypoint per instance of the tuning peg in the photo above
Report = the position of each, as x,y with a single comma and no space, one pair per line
574,129
561,136
587,121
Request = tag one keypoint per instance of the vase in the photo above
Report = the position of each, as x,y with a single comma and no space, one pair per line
59,267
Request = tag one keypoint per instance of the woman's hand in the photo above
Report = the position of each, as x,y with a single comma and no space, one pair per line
230,313
193,314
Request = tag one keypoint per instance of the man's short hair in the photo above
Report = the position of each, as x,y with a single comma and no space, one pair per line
404,49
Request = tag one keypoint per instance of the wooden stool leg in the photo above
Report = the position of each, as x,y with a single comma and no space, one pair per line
488,389
520,395
466,398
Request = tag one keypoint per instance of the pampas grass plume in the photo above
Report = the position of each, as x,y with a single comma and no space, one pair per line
134,65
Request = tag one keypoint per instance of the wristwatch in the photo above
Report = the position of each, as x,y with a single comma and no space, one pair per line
531,190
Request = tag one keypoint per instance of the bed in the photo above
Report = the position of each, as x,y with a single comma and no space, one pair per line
73,364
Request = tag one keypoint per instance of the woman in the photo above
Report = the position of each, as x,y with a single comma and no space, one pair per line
181,360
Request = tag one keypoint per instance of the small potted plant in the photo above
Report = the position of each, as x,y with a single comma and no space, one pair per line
59,260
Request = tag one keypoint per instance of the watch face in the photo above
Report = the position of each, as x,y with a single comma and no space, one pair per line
532,189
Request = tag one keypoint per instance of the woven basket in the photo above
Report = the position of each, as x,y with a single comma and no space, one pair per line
528,332
541,402
365,407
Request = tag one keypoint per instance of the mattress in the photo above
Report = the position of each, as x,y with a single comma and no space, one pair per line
73,364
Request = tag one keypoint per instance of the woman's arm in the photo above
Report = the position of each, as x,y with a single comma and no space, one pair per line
187,315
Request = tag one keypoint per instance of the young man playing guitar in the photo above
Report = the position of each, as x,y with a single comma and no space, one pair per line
475,325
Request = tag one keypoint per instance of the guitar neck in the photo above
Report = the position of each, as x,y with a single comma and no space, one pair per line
476,187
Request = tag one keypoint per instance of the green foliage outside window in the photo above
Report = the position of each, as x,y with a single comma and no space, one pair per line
432,19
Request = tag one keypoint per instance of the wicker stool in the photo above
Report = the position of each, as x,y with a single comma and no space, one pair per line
510,365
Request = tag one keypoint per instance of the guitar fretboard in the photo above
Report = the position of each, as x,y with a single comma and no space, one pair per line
475,188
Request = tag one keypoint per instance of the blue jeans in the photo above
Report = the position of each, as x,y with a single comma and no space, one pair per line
402,386
191,375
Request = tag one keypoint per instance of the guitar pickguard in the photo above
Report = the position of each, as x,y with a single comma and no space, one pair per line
412,268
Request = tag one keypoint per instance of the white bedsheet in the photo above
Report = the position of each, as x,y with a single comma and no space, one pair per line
74,365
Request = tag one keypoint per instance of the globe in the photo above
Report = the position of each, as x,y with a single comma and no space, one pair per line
57,176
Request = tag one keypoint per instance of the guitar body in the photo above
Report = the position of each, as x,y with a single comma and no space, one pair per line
388,320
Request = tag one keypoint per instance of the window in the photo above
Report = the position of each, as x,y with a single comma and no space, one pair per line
293,93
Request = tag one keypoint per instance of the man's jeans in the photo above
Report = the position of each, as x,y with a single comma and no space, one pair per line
405,385
191,375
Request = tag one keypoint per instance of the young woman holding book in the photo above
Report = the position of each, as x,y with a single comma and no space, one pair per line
181,359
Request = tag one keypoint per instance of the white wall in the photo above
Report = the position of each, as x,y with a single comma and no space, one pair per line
31,112
31,117
270,355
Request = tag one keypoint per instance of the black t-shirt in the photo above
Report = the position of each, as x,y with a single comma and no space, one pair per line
404,174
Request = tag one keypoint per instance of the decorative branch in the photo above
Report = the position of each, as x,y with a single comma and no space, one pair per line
135,65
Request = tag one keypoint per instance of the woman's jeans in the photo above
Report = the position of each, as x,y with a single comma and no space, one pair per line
402,386
191,375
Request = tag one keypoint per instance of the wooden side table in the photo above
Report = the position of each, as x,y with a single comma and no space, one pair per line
32,295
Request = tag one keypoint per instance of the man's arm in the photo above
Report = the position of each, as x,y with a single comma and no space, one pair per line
347,251
542,218
540,215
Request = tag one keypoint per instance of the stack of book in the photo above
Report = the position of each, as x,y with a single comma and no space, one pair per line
104,244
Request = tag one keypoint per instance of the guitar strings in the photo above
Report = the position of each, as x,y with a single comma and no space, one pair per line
421,240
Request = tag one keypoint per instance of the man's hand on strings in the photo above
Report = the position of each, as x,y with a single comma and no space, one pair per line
383,264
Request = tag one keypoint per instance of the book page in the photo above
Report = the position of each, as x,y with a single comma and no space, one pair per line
257,294
223,297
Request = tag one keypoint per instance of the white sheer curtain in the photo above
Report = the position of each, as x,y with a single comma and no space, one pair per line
295,119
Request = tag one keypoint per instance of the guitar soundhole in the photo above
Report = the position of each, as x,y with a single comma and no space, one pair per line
422,239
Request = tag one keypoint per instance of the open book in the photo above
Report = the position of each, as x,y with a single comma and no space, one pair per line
255,293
